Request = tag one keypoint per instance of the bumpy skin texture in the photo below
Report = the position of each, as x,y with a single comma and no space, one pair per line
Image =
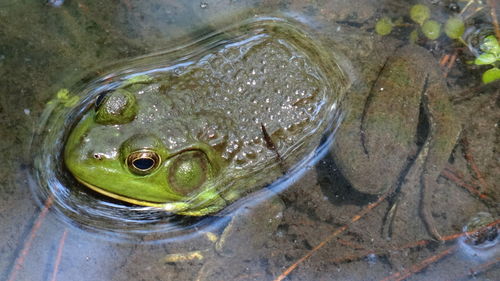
378,140
213,109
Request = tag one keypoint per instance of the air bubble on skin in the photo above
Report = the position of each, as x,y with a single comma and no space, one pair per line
250,154
240,159
239,75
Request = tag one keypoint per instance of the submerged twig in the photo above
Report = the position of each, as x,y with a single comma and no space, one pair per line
398,276
474,91
59,255
19,262
494,18
451,63
334,234
472,272
444,60
418,243
458,180
472,164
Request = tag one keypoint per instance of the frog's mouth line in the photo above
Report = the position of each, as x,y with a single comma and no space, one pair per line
164,206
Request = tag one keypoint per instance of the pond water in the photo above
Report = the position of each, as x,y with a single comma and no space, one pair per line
347,140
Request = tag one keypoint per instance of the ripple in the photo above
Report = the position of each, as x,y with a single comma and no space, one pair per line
312,84
480,240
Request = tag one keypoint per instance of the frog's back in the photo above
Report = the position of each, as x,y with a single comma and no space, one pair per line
226,97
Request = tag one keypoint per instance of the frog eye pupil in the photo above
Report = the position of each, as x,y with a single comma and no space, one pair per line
143,163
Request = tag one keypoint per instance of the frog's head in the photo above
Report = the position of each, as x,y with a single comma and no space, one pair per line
110,153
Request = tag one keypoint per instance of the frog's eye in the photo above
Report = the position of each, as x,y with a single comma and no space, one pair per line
115,107
99,100
143,162
188,171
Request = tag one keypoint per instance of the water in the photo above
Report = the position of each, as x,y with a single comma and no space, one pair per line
46,47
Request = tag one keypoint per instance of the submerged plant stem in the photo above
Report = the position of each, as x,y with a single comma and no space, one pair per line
472,164
19,263
458,180
494,18
402,275
474,271
59,255
334,234
410,245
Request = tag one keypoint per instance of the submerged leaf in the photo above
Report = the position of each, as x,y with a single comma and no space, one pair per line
384,26
431,29
485,58
420,13
454,28
490,45
491,75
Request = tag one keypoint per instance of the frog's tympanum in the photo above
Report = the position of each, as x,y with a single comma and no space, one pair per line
191,135
379,138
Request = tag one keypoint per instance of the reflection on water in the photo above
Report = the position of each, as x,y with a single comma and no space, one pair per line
307,227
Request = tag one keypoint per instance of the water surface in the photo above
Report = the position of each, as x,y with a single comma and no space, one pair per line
47,46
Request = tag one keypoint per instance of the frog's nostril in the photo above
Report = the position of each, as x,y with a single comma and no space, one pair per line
97,156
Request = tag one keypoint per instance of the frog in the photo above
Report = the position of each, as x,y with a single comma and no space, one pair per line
193,135
379,141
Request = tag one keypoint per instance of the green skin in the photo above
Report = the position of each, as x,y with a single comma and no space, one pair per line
166,186
190,143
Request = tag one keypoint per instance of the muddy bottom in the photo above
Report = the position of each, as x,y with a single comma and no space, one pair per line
312,225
